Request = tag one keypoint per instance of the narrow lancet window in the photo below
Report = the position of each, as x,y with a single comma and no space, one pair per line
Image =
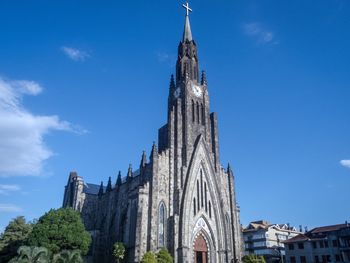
198,194
161,225
209,209
198,118
194,206
205,195
202,189
203,115
193,112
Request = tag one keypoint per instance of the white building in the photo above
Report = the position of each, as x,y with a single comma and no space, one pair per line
265,239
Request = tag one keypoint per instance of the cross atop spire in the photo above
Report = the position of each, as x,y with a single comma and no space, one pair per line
187,7
187,30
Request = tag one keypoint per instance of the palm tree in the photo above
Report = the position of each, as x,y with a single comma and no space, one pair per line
31,255
68,256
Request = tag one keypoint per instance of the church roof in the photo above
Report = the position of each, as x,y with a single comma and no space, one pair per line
93,189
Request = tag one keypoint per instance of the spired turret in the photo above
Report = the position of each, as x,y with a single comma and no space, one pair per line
109,185
100,191
129,175
119,179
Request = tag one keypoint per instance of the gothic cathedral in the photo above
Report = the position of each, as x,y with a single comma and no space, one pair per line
181,198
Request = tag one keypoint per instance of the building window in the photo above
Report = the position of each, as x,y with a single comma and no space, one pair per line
194,206
321,244
198,205
303,259
193,117
335,243
209,209
202,189
291,246
301,245
161,225
205,195
314,244
325,243
203,115
198,118
337,258
326,258
292,260
317,259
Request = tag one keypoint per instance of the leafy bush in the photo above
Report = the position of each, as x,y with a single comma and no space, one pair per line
149,257
163,256
60,230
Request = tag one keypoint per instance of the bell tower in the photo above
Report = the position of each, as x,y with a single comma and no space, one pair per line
188,105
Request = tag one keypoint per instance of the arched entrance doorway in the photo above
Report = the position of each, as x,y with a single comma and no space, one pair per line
200,250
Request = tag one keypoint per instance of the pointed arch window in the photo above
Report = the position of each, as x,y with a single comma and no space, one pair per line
209,209
194,206
193,112
198,118
203,114
228,230
198,207
205,197
161,225
202,190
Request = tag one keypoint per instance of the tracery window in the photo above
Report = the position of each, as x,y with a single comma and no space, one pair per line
161,225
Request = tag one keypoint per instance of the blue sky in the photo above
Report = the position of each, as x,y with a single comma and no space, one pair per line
84,84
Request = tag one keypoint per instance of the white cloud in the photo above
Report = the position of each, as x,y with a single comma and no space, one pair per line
345,163
10,208
257,31
22,147
7,188
75,54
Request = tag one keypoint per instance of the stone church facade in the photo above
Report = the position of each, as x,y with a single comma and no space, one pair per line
181,197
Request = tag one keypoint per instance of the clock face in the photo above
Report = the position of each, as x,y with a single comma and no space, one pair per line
177,93
197,90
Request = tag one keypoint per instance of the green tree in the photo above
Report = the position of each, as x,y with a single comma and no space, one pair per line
68,256
253,259
60,230
31,255
149,257
163,256
15,235
119,251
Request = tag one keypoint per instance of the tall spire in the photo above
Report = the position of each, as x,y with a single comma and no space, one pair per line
187,29
187,61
